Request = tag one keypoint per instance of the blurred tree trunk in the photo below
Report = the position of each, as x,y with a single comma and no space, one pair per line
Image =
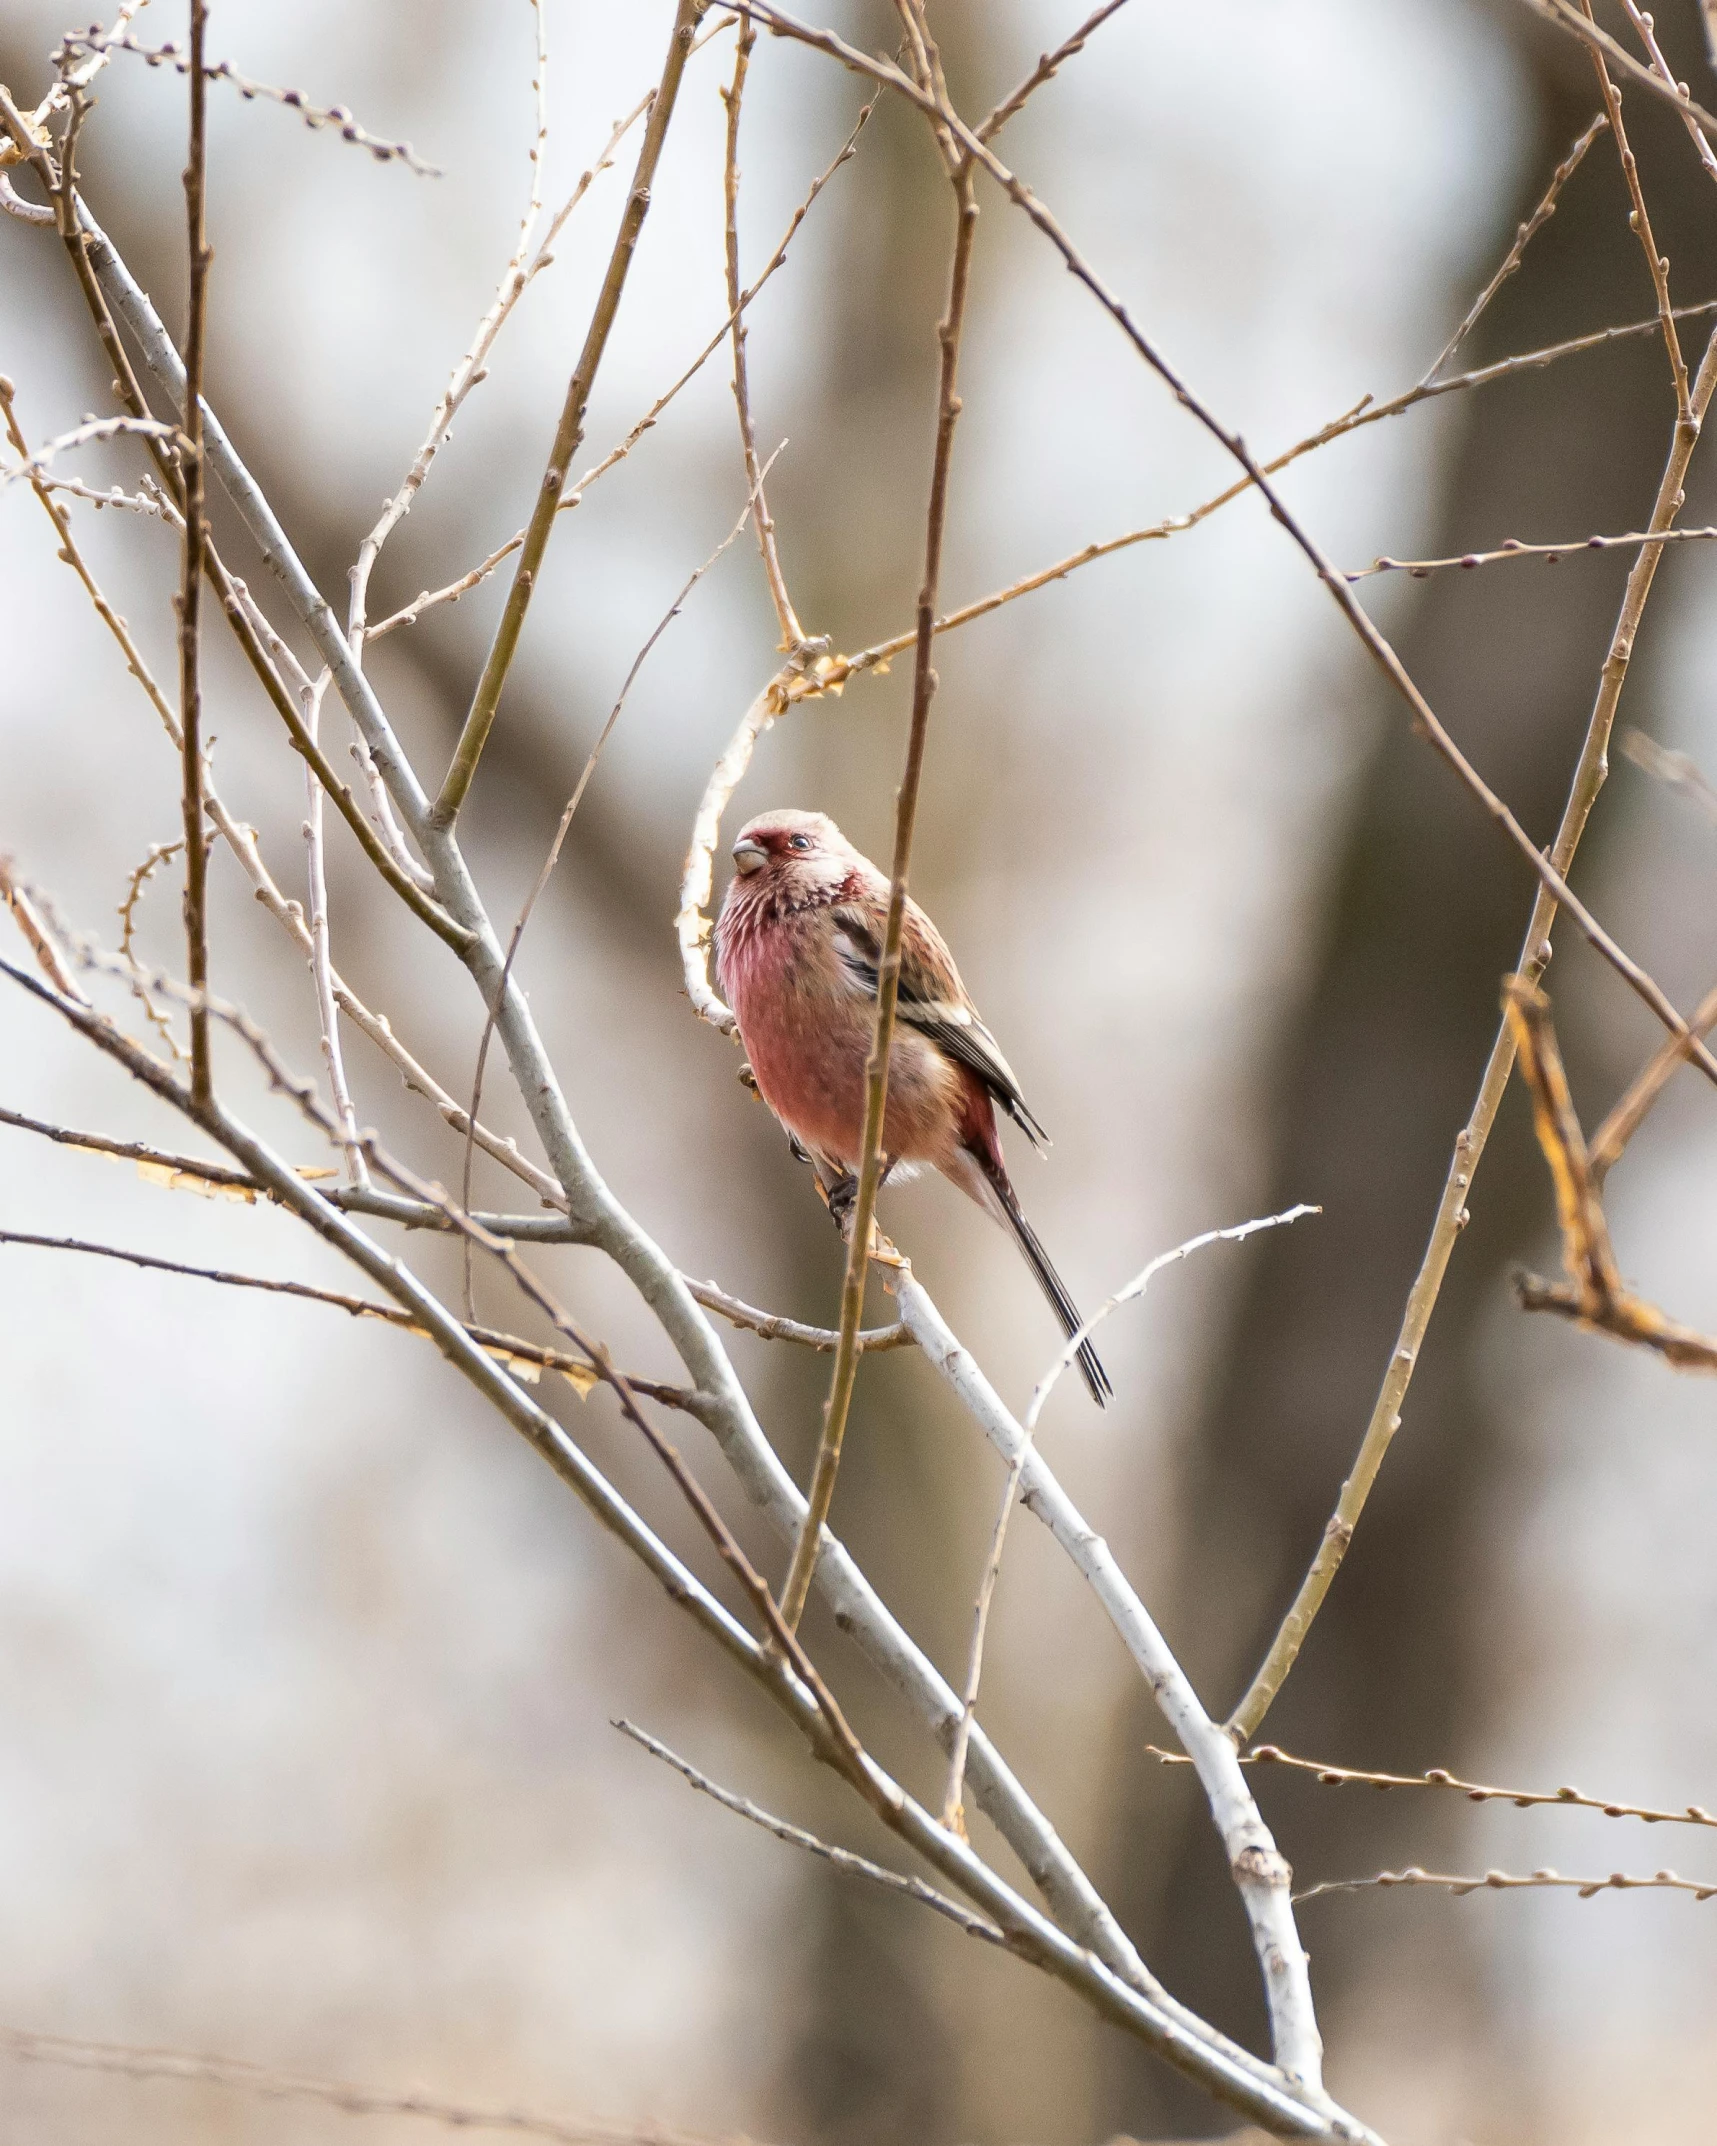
1371,1080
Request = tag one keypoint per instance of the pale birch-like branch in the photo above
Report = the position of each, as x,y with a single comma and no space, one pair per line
951,1799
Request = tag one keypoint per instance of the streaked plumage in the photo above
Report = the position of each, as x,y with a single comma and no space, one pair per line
798,945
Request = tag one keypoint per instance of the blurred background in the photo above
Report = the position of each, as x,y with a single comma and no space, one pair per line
306,1667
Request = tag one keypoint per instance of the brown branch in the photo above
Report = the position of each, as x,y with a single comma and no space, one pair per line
314,116
1569,18
1649,1083
752,504
410,613
1502,1881
1595,1293
1573,1799
1367,412
126,2061
1511,260
843,1859
820,1496
36,933
506,1348
486,700
1590,773
75,239
1646,31
792,633
1640,223
191,584
1513,548
1048,65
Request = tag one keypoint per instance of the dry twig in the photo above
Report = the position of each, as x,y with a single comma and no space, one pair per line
1502,1881
1327,1776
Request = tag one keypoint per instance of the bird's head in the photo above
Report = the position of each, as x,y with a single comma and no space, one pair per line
799,855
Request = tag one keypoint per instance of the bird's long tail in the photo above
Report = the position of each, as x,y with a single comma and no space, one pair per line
1053,1287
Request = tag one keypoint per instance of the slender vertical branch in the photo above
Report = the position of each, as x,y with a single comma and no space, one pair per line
804,1559
570,431
792,634
1589,777
321,949
1640,223
191,584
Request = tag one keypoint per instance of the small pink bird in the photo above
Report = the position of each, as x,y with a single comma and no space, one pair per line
798,944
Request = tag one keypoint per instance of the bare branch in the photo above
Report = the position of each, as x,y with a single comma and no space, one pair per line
1523,238
1327,1776
774,1328
1513,548
1260,1873
246,2078
796,1837
952,1795
752,505
792,633
1501,1881
191,584
528,1357
451,593
796,1587
487,699
1048,65
315,117
1566,16
1589,777
1640,222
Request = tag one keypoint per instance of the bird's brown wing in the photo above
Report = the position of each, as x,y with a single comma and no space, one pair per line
932,999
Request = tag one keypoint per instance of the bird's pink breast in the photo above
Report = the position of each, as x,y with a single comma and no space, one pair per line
807,1031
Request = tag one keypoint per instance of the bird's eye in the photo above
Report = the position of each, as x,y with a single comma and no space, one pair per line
798,841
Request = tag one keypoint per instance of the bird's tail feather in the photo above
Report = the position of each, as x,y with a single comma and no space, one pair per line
1053,1287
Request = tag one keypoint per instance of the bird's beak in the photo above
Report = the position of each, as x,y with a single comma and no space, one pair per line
748,855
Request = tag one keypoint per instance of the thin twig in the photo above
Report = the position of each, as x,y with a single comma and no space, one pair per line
1640,223
321,950
486,700
1649,1083
796,1837
472,368
1574,1799
1646,30
1048,65
1511,260
506,1348
802,1564
1567,17
37,934
1590,774
1595,1293
752,504
315,116
1513,548
1502,1881
90,433
1367,411
410,613
792,633
772,1327
159,853
191,586
953,1795
1121,1986
125,2061
1676,771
